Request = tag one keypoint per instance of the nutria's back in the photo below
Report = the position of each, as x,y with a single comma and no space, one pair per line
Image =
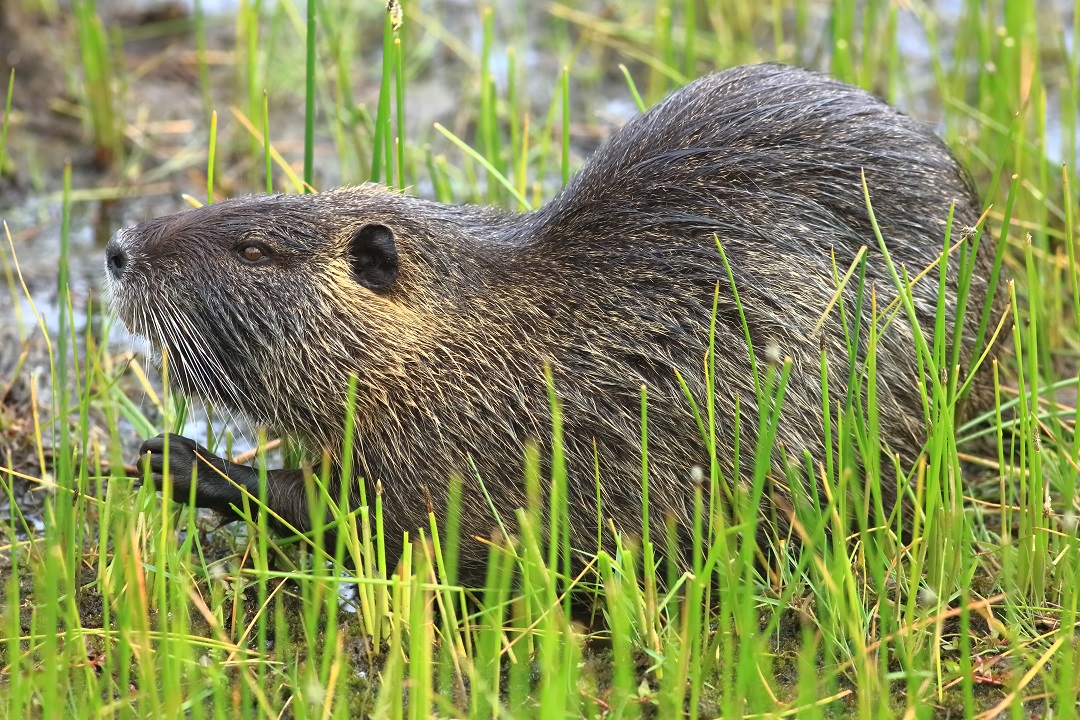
448,314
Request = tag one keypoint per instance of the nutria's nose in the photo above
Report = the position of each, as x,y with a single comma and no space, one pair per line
116,257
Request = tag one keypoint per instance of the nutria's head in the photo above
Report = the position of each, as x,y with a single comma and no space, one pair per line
267,304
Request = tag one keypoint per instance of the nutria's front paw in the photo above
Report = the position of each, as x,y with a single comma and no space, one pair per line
213,489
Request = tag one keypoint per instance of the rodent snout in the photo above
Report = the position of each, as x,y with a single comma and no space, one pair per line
116,257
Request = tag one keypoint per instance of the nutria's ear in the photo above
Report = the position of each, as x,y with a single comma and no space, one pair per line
373,256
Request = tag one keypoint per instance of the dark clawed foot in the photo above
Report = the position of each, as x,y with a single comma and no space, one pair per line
212,490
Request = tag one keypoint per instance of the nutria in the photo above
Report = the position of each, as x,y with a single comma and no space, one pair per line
448,315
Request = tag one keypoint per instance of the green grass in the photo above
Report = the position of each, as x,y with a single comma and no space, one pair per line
7,118
99,83
125,606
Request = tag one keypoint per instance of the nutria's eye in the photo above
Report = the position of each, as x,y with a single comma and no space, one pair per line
373,256
253,254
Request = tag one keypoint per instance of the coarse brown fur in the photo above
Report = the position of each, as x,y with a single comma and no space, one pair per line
448,315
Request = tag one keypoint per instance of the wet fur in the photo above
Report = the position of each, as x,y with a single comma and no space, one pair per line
611,284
